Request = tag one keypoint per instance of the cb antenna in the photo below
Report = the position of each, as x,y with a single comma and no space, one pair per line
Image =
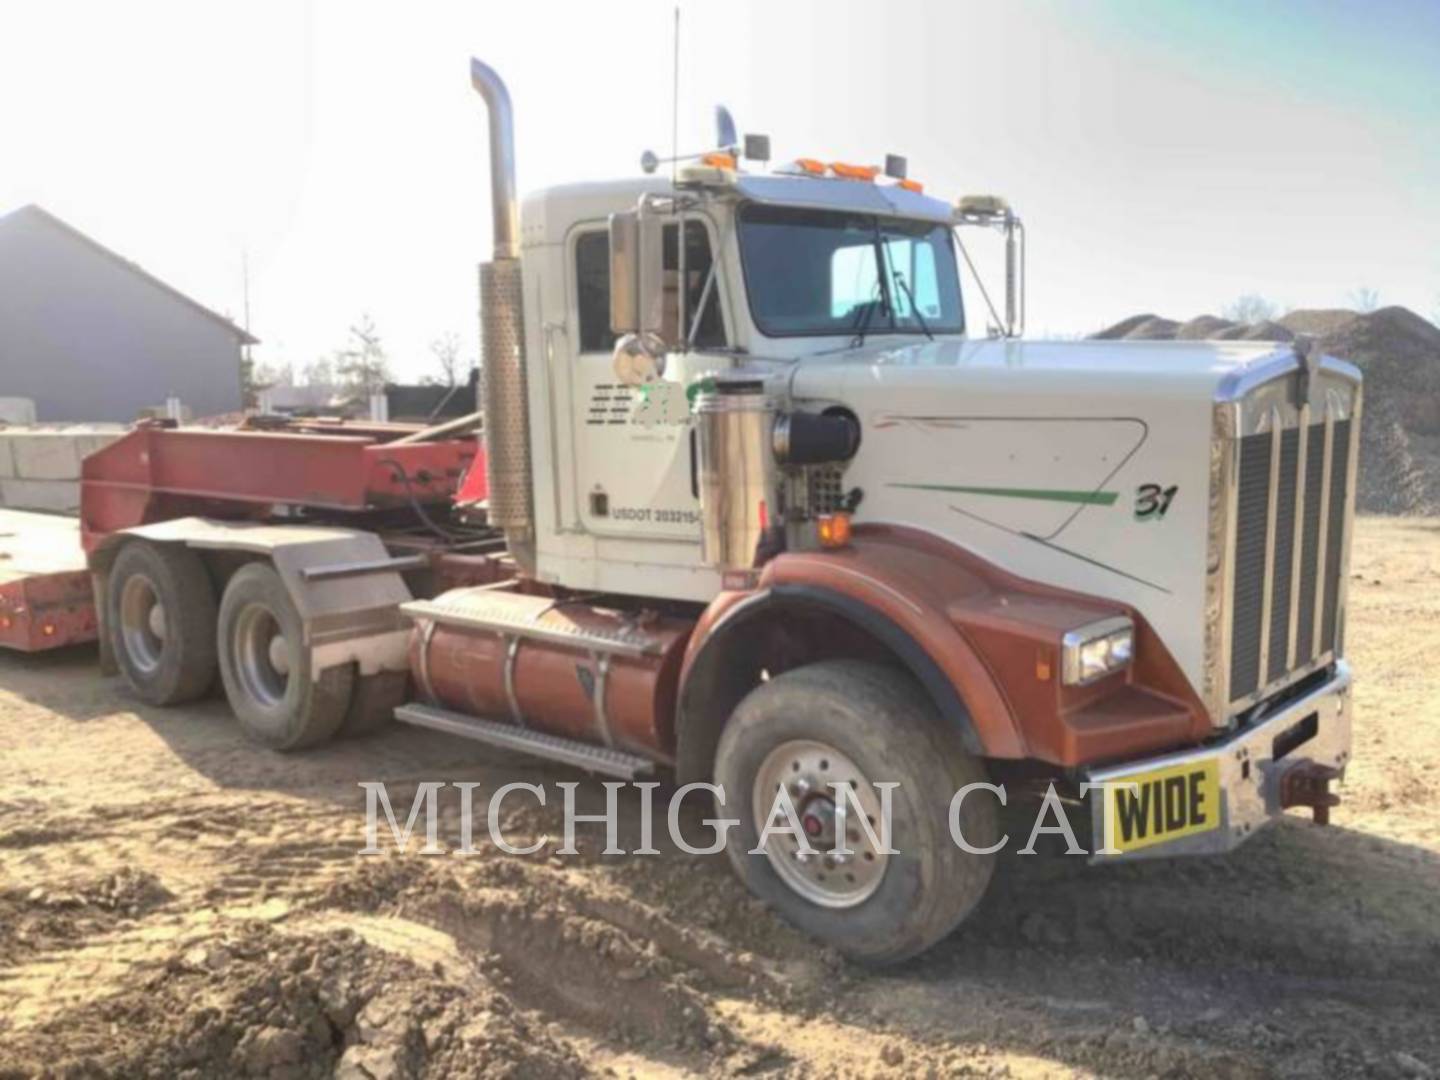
675,101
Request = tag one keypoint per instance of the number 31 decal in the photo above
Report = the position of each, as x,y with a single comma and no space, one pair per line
1151,501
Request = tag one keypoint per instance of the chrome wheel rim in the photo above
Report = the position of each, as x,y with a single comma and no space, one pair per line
142,623
261,656
806,769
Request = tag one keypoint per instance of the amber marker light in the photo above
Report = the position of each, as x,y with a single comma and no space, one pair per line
833,529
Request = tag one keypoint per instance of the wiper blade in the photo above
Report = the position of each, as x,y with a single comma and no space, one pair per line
914,307
862,322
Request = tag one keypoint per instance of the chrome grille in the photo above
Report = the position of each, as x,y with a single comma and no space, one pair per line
1283,464
1263,650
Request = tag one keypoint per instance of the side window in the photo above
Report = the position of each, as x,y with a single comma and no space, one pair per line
592,289
698,261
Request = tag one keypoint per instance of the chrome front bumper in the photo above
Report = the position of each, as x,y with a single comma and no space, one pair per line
1311,731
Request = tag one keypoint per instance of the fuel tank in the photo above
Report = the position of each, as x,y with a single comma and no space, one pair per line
560,666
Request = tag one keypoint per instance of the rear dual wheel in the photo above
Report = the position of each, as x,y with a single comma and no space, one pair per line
160,613
279,699
170,639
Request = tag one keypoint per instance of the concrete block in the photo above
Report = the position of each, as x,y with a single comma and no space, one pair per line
44,455
56,496
7,459
86,444
17,410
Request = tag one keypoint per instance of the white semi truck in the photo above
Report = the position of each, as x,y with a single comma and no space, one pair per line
775,515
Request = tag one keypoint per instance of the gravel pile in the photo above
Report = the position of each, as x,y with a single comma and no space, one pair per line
1398,351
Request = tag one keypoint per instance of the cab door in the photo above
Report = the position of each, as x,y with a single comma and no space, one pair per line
634,458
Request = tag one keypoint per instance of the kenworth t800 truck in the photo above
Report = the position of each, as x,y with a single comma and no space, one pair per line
765,509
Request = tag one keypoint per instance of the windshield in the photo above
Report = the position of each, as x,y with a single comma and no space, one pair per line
826,272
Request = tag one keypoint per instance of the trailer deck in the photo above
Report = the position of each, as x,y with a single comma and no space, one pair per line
46,599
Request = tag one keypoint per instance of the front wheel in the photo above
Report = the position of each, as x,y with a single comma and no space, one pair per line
847,721
279,699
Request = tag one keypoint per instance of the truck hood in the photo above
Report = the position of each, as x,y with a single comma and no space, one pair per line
1082,464
1087,368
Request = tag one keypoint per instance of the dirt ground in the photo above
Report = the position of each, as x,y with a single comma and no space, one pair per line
174,902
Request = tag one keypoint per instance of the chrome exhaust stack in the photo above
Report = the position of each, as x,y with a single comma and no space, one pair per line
504,390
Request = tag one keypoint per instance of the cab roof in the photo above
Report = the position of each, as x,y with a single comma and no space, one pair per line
550,212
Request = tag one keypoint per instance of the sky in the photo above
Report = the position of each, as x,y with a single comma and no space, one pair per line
1166,157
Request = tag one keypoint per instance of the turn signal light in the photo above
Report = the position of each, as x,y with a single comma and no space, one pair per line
833,529
854,172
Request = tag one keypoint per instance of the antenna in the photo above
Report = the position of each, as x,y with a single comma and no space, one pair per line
675,101
245,286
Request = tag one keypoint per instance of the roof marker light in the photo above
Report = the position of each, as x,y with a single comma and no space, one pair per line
854,172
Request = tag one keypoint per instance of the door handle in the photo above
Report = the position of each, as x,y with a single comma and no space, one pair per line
694,466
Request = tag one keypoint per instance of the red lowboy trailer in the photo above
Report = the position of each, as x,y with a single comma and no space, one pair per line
392,478
45,596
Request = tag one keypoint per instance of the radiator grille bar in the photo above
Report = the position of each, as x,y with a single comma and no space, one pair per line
1291,510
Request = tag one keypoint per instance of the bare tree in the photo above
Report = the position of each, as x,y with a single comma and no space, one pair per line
1364,299
320,372
446,350
1250,308
267,375
362,365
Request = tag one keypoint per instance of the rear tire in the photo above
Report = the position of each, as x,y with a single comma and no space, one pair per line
849,720
160,616
374,701
280,702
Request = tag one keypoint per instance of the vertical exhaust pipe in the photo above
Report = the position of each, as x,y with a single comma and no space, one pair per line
504,386
504,199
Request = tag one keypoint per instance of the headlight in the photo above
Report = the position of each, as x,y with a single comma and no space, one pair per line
1097,650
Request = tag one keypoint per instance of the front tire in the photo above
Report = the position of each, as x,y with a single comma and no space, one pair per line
160,615
868,724
277,697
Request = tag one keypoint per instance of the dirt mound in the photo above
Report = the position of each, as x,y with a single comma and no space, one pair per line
1398,351
1261,331
36,919
257,1001
1137,327
1203,328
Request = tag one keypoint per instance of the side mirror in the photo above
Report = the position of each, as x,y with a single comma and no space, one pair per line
1014,276
993,212
625,272
636,272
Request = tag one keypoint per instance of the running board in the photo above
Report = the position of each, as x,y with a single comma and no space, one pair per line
596,759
